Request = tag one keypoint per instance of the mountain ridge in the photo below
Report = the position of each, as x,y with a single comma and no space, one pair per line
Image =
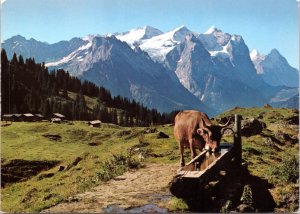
175,57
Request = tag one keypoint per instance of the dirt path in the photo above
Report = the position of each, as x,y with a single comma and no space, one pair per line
145,186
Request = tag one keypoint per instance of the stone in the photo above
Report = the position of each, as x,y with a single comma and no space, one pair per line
150,130
54,137
245,208
252,127
162,135
61,168
267,105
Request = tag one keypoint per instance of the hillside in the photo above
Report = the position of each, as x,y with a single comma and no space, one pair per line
85,157
28,86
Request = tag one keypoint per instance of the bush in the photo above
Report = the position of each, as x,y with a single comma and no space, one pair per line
247,195
288,169
119,164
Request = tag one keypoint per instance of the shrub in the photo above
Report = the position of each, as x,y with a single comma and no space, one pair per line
119,164
288,169
247,195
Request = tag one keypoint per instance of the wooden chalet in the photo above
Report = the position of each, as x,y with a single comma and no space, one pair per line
8,117
39,117
18,117
28,117
95,123
56,120
58,115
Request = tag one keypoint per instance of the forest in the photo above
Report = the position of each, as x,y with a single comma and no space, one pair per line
29,87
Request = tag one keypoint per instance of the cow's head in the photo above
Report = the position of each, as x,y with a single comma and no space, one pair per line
212,135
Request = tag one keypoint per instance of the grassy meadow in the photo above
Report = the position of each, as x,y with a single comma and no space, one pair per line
85,157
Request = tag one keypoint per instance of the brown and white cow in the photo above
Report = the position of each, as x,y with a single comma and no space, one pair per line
194,129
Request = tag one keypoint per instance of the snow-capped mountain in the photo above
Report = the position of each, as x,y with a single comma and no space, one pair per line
136,36
215,40
177,69
153,41
111,63
198,72
274,69
231,54
159,46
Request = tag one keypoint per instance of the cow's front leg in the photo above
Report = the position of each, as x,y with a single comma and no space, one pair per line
182,163
192,148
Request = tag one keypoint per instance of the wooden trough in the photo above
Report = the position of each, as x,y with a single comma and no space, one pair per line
197,173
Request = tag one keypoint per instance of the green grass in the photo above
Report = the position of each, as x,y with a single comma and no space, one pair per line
177,205
25,141
270,115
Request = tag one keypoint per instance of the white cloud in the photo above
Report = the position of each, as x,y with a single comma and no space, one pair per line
2,1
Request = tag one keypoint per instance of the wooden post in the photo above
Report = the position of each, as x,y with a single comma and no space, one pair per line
238,139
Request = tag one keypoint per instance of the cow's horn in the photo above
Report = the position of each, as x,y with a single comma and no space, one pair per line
226,124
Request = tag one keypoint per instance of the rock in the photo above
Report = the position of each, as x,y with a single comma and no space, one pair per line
150,130
54,137
294,120
123,133
249,127
245,208
286,137
61,168
76,161
162,135
252,127
94,143
271,141
224,120
45,175
281,135
260,115
267,105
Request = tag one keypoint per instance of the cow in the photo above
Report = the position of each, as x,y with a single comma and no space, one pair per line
194,129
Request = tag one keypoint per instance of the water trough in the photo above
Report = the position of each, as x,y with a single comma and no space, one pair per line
197,173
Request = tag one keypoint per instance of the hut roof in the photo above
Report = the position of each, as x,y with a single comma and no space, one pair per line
94,122
7,115
59,115
28,115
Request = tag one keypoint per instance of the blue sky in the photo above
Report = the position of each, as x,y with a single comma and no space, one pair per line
264,24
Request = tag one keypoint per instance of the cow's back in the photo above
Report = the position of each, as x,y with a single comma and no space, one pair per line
186,123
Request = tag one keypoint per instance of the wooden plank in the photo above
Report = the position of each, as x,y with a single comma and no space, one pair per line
197,157
218,161
237,139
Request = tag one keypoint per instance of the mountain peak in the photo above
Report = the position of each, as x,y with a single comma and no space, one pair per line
135,36
275,55
182,27
17,37
274,52
212,30
180,33
150,32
